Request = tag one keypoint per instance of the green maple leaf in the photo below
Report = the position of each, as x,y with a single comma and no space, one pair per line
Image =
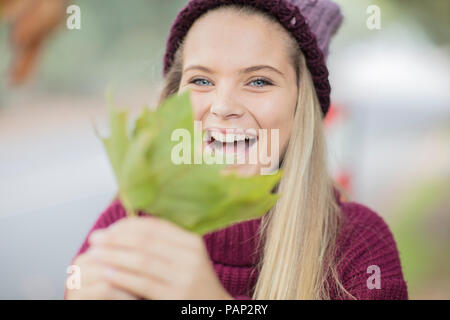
197,197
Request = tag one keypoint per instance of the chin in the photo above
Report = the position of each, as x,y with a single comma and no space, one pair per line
242,169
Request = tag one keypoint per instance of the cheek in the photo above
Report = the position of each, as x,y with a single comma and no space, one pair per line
277,113
199,105
274,114
285,135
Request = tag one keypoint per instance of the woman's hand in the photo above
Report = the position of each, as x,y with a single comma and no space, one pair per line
93,286
155,259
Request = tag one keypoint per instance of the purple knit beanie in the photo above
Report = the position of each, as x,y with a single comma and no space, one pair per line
311,22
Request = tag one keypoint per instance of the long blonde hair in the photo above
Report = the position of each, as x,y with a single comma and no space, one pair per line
297,237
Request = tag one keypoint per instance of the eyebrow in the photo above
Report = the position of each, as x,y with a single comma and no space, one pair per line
242,71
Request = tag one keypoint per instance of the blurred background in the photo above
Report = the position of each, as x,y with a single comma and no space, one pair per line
388,129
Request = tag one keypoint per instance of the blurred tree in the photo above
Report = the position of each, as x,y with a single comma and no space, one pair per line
31,23
116,37
433,15
421,231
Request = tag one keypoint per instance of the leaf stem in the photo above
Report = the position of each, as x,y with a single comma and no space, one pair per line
128,207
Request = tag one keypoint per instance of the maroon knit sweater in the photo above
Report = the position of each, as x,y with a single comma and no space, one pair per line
364,240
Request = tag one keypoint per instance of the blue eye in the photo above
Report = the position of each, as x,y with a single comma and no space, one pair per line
195,81
262,81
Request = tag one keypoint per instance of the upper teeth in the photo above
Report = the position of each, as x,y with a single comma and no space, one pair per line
230,137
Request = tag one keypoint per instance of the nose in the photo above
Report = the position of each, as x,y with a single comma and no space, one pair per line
224,107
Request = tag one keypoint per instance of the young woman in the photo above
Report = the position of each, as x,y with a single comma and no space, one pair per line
252,64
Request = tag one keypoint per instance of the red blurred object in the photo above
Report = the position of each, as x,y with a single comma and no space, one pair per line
334,123
344,180
333,115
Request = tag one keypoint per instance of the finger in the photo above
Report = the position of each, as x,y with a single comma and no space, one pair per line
162,229
155,249
91,270
133,261
157,228
100,291
136,284
145,229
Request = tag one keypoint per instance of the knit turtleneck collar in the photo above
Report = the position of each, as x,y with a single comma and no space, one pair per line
236,245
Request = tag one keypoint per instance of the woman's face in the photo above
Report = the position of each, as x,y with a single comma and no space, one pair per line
241,77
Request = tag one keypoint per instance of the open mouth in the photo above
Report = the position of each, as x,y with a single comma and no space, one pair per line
236,143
